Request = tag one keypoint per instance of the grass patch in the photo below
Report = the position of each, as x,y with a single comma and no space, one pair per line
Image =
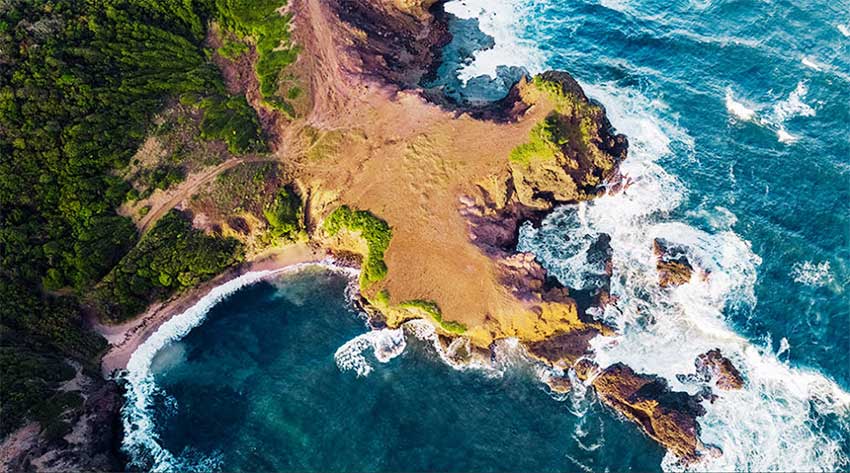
431,309
248,188
232,120
376,232
545,143
261,20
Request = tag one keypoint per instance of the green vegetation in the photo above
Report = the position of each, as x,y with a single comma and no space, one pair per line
232,49
261,20
171,257
431,309
80,82
545,143
246,188
562,161
285,215
37,333
376,232
233,121
164,176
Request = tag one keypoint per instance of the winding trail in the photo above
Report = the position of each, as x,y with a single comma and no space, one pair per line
188,187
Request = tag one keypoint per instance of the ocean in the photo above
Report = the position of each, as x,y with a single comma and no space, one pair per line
739,127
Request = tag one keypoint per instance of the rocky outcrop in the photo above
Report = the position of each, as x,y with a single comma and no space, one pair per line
571,154
91,445
674,268
562,149
713,365
669,417
398,41
564,347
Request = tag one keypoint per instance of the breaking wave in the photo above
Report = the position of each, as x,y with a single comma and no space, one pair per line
774,117
502,20
774,423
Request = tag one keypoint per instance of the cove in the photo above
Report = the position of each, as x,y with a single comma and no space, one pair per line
255,387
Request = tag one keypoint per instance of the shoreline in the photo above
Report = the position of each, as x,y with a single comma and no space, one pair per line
125,338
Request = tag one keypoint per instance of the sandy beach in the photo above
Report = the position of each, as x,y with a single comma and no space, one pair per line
125,338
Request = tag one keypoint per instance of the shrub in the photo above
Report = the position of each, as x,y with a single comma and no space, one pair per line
431,309
284,214
376,232
171,257
233,121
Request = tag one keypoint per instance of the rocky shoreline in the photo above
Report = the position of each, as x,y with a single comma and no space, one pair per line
669,417
374,55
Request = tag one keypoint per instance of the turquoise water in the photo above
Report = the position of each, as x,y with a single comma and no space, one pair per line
256,387
739,126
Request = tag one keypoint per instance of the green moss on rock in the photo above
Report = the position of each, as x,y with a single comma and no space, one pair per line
570,153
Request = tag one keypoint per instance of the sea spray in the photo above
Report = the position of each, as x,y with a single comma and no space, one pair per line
502,20
774,423
663,330
141,441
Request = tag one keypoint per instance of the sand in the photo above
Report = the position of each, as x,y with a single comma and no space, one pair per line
125,338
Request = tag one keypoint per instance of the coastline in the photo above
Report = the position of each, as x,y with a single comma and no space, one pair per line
125,338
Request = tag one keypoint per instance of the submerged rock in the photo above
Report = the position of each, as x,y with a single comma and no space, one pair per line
673,266
712,364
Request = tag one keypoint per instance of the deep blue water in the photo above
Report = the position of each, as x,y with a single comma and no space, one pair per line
738,118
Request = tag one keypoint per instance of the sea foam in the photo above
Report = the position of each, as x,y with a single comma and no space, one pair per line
774,117
812,274
773,422
502,20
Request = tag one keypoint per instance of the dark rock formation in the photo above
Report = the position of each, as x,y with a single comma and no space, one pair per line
713,365
559,384
674,269
398,41
669,417
93,443
564,347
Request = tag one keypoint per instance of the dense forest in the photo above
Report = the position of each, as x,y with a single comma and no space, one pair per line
79,83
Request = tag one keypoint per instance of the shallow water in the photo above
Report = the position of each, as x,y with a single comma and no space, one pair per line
737,115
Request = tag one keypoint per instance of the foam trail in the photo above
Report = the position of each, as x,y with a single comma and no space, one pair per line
775,118
737,109
812,274
141,441
811,63
772,424
844,29
502,20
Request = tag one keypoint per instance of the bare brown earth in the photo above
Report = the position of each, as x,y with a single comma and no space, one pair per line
368,137
413,163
